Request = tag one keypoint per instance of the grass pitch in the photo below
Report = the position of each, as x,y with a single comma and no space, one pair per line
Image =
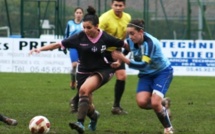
25,95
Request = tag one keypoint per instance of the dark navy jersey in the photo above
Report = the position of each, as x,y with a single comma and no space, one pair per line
91,54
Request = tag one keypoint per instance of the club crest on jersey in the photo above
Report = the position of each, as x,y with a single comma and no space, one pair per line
94,49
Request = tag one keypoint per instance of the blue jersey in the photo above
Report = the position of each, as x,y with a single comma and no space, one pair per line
73,28
148,57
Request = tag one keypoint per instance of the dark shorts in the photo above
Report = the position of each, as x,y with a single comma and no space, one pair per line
105,74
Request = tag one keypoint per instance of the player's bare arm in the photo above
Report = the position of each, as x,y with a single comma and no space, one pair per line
45,48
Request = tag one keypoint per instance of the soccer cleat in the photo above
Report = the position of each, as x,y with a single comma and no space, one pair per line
11,122
93,123
166,103
118,111
72,85
78,126
168,130
73,106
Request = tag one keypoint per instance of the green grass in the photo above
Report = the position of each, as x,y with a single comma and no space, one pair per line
24,96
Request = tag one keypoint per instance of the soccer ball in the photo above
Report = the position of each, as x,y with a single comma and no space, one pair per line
39,125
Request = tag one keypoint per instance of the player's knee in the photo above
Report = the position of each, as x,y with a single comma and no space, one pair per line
83,92
122,78
74,64
121,75
155,104
142,104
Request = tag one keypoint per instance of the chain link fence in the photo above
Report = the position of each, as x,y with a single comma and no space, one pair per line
165,19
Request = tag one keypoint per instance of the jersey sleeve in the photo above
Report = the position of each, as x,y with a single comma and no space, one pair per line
113,43
137,65
71,42
144,58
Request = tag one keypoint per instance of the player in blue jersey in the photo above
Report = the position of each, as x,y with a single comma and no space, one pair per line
74,26
155,71
8,121
93,69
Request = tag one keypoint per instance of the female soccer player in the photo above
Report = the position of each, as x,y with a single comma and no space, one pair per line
93,70
73,27
155,71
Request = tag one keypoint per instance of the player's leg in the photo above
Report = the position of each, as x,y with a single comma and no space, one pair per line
161,112
73,103
93,115
119,90
86,89
143,100
73,75
8,121
166,102
161,84
88,84
74,61
144,92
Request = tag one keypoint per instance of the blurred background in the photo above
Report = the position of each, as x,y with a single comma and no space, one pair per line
165,19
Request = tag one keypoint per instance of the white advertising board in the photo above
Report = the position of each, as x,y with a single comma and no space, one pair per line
191,58
14,57
188,57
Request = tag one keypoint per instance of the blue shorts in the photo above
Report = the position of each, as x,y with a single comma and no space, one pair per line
73,55
159,82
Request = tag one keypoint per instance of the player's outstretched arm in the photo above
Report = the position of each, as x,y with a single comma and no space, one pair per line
45,48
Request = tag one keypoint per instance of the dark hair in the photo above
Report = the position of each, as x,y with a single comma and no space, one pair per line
78,8
91,16
137,24
119,1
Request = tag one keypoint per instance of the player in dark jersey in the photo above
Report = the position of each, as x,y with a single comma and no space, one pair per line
93,70
114,22
8,121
